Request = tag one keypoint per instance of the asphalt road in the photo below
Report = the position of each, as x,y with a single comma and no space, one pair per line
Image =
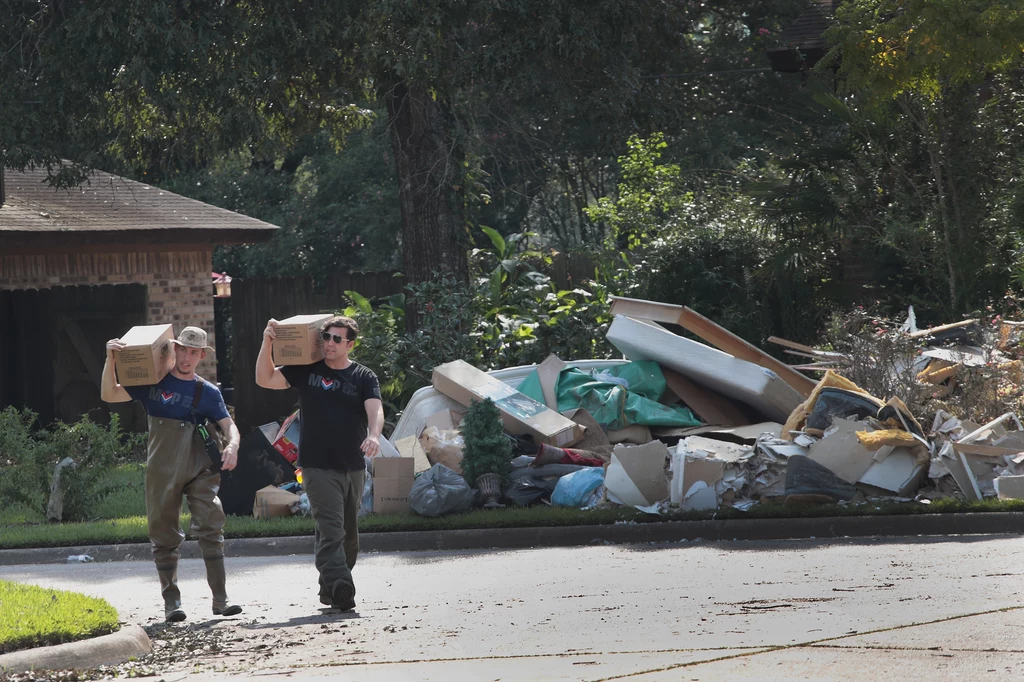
935,608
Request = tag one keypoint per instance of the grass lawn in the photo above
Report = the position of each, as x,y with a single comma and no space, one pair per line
122,518
34,616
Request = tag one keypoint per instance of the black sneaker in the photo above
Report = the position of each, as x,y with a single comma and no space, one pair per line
343,597
174,614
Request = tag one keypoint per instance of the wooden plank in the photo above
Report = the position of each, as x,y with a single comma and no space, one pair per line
737,347
646,310
792,344
711,406
946,327
810,351
93,366
815,366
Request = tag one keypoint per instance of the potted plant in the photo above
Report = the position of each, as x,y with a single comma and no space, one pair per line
487,452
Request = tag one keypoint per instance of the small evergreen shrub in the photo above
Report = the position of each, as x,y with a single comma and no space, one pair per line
487,450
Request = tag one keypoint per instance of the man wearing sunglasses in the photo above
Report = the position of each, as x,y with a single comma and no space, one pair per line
341,420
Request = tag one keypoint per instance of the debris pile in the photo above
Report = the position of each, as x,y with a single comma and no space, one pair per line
698,425
681,424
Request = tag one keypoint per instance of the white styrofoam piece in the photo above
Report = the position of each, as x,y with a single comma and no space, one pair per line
429,400
738,379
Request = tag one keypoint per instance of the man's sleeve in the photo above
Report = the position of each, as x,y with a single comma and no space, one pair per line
213,406
137,392
295,374
369,386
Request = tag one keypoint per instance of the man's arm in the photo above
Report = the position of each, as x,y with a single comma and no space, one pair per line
110,390
229,457
374,425
267,375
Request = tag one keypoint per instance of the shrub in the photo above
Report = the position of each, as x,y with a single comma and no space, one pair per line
487,450
28,459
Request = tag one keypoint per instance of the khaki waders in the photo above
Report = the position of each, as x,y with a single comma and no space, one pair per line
178,465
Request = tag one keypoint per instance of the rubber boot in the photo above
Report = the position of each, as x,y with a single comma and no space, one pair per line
171,594
217,578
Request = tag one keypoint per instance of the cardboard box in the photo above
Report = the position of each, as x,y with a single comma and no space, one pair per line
147,356
464,383
286,441
392,480
272,502
298,340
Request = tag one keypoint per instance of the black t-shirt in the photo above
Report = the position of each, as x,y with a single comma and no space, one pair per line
333,413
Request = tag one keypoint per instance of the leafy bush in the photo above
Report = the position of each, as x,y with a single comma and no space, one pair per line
28,459
531,320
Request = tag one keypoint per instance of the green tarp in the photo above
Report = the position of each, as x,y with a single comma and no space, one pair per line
617,396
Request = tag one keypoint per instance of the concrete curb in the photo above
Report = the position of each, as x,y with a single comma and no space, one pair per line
128,642
570,536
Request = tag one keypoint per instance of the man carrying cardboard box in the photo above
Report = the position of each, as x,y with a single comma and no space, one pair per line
179,465
342,418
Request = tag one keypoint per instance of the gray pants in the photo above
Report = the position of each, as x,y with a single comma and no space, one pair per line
177,466
334,499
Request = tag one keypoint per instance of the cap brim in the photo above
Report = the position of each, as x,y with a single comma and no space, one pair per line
185,345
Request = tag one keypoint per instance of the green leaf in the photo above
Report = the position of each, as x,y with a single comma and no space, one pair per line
361,302
496,239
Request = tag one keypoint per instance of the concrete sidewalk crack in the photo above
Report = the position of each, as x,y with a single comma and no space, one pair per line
784,647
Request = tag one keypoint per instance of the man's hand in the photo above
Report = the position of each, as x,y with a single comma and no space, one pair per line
271,331
115,345
370,447
229,457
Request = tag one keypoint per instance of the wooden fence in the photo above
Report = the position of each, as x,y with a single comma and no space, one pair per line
254,301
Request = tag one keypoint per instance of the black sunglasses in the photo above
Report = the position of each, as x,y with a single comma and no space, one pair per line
327,336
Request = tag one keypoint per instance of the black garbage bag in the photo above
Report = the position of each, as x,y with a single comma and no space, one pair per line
526,490
804,476
438,491
837,402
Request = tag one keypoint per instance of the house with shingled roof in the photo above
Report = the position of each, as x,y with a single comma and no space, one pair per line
80,266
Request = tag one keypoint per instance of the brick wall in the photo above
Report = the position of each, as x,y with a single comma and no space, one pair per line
179,289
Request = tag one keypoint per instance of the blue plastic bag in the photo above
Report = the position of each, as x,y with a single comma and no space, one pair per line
573,490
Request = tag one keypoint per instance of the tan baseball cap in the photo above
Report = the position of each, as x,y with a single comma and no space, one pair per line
192,337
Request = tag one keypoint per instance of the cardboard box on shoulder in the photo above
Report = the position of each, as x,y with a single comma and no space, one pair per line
392,480
147,357
298,340
521,414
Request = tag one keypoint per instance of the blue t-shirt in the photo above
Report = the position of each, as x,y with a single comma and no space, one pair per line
172,399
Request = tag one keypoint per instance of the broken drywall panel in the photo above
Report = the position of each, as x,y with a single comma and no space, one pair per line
636,474
841,452
900,474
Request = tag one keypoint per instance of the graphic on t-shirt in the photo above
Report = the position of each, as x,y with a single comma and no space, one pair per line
329,385
172,398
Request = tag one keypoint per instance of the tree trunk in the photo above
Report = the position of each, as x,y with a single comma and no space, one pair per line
430,187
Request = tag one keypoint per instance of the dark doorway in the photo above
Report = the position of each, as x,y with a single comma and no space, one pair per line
53,344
